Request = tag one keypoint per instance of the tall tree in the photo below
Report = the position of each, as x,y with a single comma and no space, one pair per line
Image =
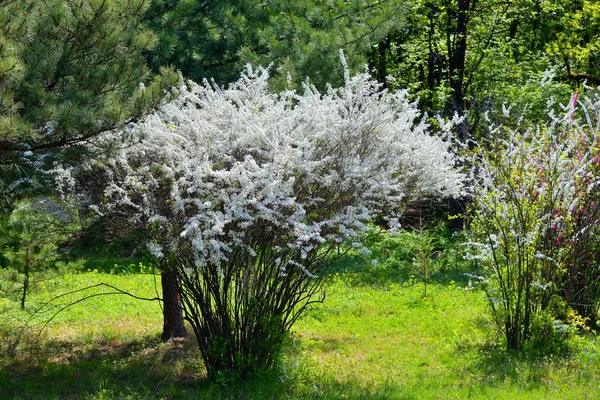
69,70
576,40
470,57
456,42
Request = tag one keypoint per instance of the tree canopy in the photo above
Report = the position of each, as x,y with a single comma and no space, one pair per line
470,56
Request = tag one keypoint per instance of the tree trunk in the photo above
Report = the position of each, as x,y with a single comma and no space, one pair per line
172,312
25,279
457,55
382,74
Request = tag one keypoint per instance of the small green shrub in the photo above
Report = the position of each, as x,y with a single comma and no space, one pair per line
548,335
34,229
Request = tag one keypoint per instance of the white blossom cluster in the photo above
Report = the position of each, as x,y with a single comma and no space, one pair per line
549,168
535,194
217,166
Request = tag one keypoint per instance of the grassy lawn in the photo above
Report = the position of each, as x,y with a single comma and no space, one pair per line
374,337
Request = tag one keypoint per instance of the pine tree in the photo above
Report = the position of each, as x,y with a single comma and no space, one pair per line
69,70
216,39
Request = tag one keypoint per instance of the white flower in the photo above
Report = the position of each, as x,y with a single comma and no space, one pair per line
155,250
559,326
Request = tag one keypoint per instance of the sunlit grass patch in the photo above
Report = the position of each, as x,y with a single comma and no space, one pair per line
84,307
388,334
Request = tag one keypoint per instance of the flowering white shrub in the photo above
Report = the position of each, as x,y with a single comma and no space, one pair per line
537,218
319,166
244,191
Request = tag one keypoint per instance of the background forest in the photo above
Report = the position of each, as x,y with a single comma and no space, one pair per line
435,237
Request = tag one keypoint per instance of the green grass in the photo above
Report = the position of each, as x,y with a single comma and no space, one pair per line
387,342
374,337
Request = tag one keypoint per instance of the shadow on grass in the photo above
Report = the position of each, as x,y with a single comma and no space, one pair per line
528,369
326,344
148,369
143,368
329,389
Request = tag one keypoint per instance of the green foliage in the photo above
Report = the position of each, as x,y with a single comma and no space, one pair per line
69,70
575,31
33,232
509,47
215,39
13,19
549,335
425,262
396,254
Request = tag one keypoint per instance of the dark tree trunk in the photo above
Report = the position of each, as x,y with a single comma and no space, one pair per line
457,55
172,312
25,279
434,58
378,60
431,59
382,74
